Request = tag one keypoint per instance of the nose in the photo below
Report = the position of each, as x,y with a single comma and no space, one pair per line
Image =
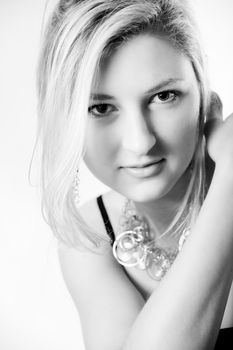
138,136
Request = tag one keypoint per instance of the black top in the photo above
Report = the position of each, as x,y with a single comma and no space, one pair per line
106,220
225,337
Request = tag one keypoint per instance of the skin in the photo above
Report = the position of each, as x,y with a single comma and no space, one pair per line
186,309
134,126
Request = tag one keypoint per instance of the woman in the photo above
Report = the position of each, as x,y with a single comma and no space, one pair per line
122,85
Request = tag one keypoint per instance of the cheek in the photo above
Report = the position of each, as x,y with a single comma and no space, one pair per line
186,134
186,143
100,148
181,137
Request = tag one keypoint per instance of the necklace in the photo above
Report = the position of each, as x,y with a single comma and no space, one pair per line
136,246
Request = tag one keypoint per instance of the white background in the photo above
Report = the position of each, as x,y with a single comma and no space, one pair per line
36,311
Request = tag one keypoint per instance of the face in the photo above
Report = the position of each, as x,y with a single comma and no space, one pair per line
142,123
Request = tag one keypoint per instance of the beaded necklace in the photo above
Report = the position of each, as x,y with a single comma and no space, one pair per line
136,246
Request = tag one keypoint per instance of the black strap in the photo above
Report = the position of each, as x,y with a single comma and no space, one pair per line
106,219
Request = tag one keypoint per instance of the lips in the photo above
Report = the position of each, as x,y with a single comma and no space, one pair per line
144,165
146,169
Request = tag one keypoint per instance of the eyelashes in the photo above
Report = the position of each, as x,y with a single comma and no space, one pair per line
100,110
165,96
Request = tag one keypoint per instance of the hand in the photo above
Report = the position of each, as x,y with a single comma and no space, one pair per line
218,133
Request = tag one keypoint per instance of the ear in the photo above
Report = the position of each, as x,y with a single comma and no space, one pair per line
214,120
214,109
214,115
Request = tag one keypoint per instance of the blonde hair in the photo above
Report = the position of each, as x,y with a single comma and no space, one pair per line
77,36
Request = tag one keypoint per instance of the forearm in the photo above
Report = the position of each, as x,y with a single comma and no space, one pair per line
185,312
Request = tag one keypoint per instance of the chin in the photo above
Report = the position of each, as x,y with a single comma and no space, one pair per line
146,192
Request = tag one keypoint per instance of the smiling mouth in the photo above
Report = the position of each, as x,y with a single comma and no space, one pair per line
145,165
145,170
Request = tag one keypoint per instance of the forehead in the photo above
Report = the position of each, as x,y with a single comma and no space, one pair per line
141,62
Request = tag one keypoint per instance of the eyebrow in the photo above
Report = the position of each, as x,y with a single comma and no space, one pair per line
161,85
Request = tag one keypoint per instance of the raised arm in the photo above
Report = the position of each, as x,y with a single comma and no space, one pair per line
107,302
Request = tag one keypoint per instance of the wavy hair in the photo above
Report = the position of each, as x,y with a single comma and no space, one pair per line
77,36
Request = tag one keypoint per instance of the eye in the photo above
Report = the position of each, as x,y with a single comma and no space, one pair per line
165,97
101,109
